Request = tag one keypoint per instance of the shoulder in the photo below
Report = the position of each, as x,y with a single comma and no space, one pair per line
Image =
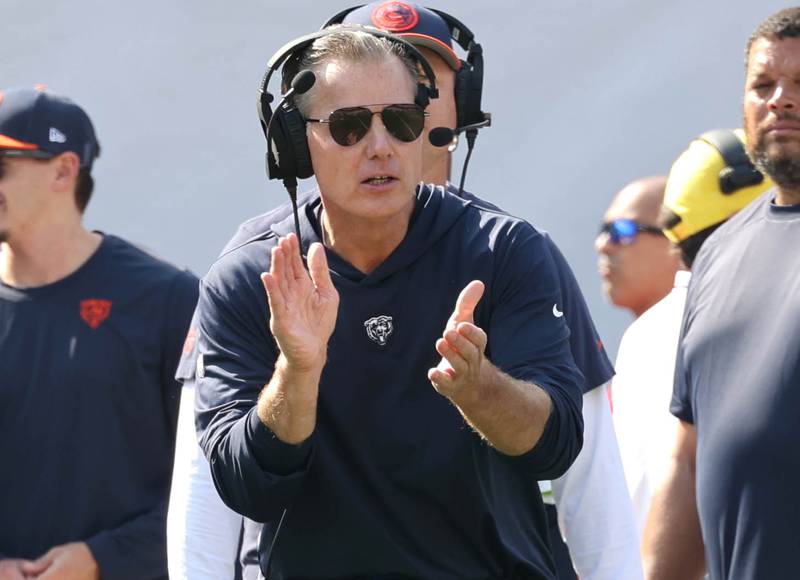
737,226
259,227
133,261
241,265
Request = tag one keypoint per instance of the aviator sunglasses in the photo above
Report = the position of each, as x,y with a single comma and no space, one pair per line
624,231
350,125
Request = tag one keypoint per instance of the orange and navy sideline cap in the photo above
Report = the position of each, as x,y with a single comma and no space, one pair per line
411,22
37,123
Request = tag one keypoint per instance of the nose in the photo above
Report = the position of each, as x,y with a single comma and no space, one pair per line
784,97
378,140
603,244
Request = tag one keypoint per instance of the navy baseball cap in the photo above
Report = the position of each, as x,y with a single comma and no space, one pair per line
414,23
37,123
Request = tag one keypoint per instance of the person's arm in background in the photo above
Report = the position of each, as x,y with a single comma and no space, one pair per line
202,532
673,545
594,511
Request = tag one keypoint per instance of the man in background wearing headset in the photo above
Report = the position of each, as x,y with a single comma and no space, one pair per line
367,427
711,181
203,533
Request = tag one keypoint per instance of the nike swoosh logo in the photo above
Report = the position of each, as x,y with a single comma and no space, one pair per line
556,312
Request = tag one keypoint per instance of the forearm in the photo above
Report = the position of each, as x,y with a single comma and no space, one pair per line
509,413
136,549
672,547
288,404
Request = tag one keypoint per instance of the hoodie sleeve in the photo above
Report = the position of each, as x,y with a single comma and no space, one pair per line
529,340
255,473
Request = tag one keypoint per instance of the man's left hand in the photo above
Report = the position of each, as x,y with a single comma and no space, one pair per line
68,562
458,374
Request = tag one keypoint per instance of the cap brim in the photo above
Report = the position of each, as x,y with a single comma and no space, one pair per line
9,143
448,54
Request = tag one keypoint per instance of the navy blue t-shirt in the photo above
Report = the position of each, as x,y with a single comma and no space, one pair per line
392,480
88,408
738,381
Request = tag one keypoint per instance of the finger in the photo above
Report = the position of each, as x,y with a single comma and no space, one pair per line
278,271
457,362
467,301
285,245
474,334
440,380
39,565
274,295
318,268
463,346
297,261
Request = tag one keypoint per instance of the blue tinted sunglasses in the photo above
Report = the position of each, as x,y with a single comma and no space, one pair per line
624,231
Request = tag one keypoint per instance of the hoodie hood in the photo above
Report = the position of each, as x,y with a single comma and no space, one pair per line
436,211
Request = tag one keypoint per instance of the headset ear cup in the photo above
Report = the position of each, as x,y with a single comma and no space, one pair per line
295,127
462,91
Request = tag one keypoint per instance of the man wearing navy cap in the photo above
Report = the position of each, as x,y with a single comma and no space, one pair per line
600,526
91,330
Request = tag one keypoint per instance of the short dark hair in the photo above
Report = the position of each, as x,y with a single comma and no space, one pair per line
783,24
83,189
84,185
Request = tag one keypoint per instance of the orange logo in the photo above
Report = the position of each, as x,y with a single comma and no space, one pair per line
395,16
94,311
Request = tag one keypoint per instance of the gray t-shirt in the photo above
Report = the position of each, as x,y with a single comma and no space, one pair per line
738,381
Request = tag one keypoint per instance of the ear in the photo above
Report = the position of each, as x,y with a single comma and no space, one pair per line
65,171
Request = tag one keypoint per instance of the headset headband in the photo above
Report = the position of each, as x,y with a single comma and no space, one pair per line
298,44
458,31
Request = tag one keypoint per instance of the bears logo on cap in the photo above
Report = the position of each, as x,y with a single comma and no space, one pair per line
395,16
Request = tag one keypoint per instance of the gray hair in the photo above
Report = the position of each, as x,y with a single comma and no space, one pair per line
348,43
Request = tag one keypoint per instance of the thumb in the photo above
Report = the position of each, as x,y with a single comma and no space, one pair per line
466,303
37,567
318,269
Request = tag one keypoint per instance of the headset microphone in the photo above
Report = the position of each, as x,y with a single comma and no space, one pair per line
441,136
301,83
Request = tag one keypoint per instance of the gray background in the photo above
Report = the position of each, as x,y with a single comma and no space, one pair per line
585,97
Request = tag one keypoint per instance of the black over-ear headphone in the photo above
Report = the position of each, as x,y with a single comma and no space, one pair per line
739,172
288,157
469,77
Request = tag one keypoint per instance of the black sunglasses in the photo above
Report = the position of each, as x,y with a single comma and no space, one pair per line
623,231
350,125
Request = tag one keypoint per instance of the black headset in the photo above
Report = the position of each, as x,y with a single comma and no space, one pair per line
288,157
469,77
739,172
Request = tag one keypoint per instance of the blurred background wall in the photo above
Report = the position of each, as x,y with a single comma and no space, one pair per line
585,96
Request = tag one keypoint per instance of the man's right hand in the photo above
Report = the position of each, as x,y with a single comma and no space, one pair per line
303,307
12,569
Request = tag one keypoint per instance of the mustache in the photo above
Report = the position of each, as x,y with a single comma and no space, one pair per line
787,116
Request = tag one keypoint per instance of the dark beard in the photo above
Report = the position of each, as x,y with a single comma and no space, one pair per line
784,171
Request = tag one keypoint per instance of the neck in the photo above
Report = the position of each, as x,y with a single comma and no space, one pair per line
785,196
364,243
47,255
439,172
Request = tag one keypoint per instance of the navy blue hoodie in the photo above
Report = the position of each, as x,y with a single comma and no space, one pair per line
392,482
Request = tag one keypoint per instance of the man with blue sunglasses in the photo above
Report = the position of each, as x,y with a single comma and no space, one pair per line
636,261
